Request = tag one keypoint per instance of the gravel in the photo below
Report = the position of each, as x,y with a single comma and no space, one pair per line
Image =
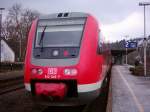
18,101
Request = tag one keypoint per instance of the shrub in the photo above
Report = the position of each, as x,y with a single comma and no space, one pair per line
131,69
138,71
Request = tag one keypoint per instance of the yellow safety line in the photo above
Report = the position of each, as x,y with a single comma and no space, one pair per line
138,104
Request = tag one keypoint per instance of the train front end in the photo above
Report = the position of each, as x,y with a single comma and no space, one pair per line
62,65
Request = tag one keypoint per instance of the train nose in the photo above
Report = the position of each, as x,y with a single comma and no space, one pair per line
56,91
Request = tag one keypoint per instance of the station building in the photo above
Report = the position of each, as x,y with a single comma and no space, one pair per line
6,53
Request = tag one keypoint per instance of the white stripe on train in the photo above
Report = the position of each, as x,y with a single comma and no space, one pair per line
81,88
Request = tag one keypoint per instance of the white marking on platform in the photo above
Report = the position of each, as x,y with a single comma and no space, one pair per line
138,104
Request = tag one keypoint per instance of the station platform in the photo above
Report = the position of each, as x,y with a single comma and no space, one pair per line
129,93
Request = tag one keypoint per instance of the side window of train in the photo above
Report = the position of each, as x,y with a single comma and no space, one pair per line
100,44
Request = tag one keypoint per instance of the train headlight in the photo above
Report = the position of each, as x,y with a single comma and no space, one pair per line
40,71
37,71
74,71
67,71
70,72
34,71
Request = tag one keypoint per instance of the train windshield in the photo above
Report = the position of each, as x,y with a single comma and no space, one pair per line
62,35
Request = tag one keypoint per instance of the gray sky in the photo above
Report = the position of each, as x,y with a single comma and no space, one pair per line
117,18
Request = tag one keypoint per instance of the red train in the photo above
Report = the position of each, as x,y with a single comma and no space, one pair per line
66,59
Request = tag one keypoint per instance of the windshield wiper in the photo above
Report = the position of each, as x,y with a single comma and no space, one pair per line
42,36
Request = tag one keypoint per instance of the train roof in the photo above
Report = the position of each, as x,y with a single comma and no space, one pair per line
64,15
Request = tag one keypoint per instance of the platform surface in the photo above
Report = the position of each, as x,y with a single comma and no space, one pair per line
129,93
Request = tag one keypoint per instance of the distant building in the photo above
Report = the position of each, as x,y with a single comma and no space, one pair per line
6,53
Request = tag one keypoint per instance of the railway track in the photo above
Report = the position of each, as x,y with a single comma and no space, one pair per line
9,83
98,105
64,109
8,66
11,89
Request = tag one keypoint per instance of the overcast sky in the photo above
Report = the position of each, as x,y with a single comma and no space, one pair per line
117,18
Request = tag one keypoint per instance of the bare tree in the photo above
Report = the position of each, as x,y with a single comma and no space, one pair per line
16,28
26,20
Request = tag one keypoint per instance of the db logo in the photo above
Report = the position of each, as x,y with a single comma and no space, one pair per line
52,71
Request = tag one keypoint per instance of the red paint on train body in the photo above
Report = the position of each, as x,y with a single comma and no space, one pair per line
87,68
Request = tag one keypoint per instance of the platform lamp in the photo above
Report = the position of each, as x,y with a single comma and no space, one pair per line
1,10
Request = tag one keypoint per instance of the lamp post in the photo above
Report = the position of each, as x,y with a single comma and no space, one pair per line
126,56
1,10
144,4
126,50
145,46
